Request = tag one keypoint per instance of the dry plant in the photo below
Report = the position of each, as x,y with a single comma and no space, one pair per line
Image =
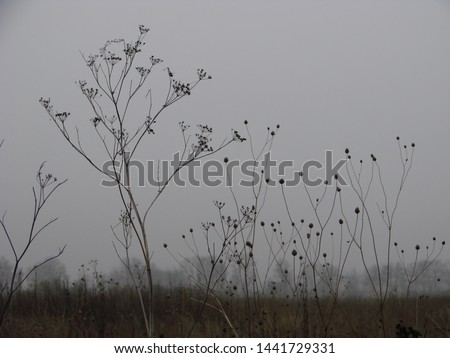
117,83
304,261
323,254
417,268
376,245
47,184
294,267
229,249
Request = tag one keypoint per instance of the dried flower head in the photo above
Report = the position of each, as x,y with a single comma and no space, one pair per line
154,61
202,75
144,72
46,104
113,59
206,225
62,116
219,204
143,30
237,137
95,121
183,126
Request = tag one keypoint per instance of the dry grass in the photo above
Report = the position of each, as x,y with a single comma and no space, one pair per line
115,312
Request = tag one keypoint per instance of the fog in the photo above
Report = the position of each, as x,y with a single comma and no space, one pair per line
332,74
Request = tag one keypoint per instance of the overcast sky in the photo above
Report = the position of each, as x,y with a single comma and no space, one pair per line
333,74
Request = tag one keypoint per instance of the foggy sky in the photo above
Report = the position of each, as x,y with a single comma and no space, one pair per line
333,74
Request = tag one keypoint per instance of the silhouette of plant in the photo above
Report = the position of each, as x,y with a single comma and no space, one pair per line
117,82
402,331
47,184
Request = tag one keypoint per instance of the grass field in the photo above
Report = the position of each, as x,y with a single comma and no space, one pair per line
115,312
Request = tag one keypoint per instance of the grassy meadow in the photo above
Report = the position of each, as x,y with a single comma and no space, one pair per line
111,310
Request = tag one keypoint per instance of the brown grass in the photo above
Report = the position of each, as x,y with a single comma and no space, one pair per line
62,312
